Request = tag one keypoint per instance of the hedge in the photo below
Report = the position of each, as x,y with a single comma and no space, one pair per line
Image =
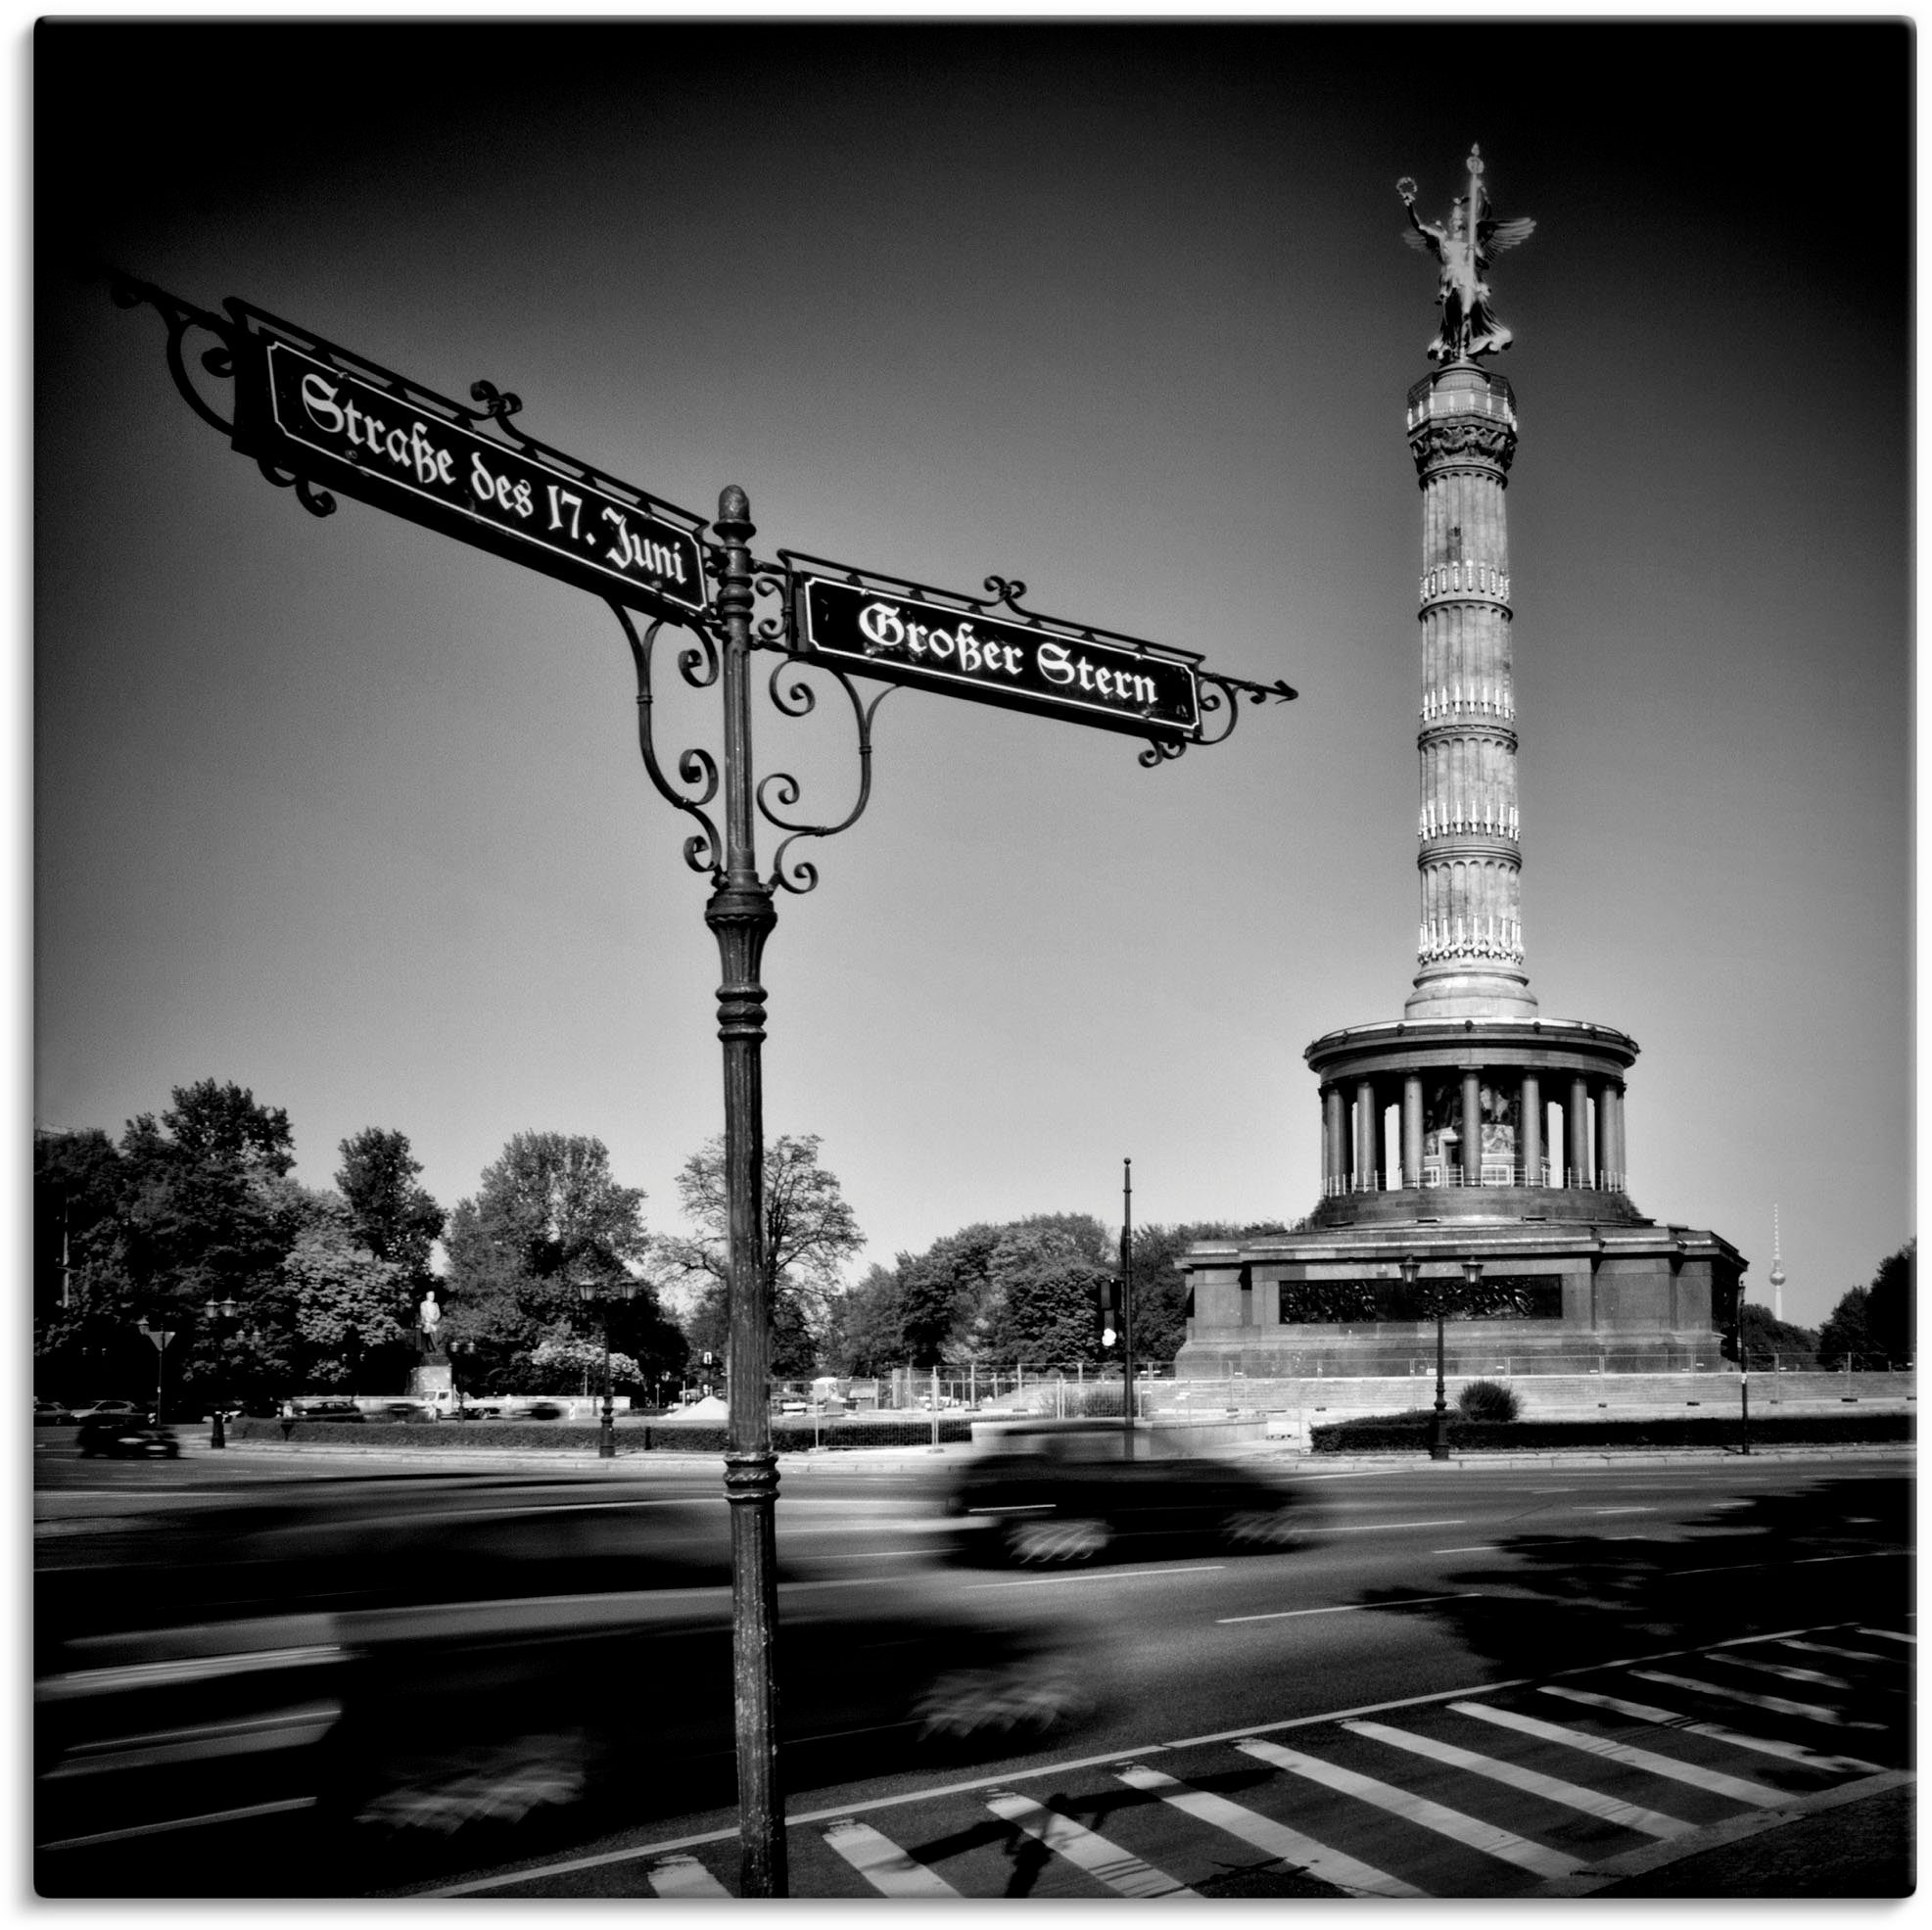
674,1436
1411,1433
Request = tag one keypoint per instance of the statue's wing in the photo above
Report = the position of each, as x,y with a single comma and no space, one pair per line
1498,236
1422,244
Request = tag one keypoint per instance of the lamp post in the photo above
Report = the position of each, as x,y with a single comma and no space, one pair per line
217,1311
1743,1374
589,1293
1438,1440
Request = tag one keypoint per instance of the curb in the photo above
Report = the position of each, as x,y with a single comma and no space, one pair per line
1660,1856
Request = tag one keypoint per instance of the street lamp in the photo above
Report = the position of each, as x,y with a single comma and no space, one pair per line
589,1292
1438,1440
217,1311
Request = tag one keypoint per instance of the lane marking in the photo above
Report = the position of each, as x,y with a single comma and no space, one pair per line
1738,1788
254,1809
1093,1575
1466,1830
1623,1511
1377,1527
1850,1655
1263,1833
1778,1705
1673,1719
1346,1608
684,1876
1474,1549
1105,1862
882,1864
1785,1672
1572,1796
1887,1635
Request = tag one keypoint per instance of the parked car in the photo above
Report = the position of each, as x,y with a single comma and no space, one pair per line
52,1414
1061,1492
108,1410
124,1438
325,1408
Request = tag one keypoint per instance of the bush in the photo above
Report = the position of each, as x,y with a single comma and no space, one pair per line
1407,1434
1488,1400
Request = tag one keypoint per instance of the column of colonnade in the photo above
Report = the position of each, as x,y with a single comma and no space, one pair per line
1586,1151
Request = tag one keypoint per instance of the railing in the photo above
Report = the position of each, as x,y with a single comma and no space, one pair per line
1449,1176
1468,392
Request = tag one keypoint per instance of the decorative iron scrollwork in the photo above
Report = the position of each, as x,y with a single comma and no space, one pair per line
697,770
181,316
796,698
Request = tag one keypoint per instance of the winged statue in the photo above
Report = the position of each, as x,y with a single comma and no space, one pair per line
1464,246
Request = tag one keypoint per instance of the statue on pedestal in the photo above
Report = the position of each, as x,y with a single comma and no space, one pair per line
429,1316
1464,246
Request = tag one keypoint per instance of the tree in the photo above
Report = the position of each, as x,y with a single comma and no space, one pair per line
351,1310
809,1233
1045,1277
1796,1347
1160,1287
548,1216
866,1333
393,1216
1846,1337
1890,1314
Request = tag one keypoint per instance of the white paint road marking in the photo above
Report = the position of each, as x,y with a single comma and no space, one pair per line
1553,1789
1785,1672
1377,1527
1347,1607
882,1864
1887,1635
1095,1575
684,1876
1623,1511
1474,1549
1778,1705
1791,1752
1738,1788
1850,1655
1105,1862
1466,1830
1263,1833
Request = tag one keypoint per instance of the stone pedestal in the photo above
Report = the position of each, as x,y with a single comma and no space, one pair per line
432,1378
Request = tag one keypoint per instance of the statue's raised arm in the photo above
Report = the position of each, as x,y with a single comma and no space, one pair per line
1463,246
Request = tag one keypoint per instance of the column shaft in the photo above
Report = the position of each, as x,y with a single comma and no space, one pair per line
1472,1128
1412,1129
1576,1133
1529,1131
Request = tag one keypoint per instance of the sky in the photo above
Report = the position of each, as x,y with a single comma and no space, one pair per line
352,814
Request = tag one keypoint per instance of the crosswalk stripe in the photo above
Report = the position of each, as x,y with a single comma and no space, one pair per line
1791,1752
1888,1635
1738,1788
1826,1648
1785,1670
1572,1796
1466,1830
684,1876
1316,1860
1778,1705
1105,1862
883,1864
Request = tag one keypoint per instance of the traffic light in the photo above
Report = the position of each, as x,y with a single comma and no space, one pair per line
1106,1308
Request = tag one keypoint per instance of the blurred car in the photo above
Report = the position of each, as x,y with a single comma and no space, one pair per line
52,1414
1061,1492
414,1671
793,1405
405,1411
107,1410
325,1408
124,1437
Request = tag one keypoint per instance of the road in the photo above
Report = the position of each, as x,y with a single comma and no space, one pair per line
1470,1681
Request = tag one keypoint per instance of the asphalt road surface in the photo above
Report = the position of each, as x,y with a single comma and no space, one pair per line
1466,1681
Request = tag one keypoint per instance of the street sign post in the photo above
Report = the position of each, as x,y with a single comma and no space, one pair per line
314,416
160,1337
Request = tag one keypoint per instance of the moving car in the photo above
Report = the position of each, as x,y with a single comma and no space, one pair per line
408,1672
52,1414
1061,1491
107,1410
325,1408
125,1437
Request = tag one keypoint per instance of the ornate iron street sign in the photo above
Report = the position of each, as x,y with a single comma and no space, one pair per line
906,634
400,448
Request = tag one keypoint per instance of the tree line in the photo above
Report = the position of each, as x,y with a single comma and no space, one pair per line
1871,1327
